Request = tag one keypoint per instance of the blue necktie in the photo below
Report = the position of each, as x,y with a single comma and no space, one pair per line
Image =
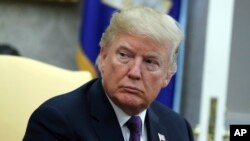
134,125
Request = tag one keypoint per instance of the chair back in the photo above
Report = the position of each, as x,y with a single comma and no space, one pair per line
24,85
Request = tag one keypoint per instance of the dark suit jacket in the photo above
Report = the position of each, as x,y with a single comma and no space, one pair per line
85,114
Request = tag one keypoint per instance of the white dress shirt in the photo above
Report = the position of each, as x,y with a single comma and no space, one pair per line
123,118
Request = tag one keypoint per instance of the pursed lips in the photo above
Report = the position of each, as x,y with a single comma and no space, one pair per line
132,90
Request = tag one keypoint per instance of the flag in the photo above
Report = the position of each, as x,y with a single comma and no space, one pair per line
95,18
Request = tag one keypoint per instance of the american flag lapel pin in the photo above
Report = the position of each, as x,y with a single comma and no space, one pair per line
161,137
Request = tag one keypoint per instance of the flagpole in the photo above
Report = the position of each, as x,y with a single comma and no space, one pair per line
180,60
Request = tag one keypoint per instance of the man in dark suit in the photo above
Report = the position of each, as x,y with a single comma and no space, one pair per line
137,59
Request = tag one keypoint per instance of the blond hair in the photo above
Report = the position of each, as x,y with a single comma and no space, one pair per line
145,21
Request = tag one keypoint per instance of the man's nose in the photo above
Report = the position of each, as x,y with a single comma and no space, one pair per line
135,70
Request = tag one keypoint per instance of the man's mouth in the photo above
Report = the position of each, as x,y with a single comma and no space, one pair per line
132,90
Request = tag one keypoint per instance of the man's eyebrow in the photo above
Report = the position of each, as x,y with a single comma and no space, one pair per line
153,55
123,46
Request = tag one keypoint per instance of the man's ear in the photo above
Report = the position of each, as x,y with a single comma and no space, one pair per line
167,79
102,57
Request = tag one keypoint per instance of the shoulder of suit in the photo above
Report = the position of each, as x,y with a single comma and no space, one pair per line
70,97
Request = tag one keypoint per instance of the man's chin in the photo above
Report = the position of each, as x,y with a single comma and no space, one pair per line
131,106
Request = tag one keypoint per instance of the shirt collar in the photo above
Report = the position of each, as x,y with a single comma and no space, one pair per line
122,116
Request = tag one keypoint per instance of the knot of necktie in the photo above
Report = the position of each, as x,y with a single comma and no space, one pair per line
134,125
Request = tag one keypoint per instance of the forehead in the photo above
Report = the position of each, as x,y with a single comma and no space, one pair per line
138,43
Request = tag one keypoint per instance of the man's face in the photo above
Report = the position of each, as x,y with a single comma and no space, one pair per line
134,69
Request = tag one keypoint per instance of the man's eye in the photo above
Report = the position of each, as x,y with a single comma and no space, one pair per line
149,61
123,57
151,65
122,54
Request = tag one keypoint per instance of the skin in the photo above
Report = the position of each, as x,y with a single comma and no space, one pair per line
134,69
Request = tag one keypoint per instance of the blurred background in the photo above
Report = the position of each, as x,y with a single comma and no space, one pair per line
212,83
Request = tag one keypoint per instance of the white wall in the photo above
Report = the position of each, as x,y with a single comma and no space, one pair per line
237,89
238,105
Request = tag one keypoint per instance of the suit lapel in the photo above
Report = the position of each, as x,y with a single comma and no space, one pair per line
154,129
104,120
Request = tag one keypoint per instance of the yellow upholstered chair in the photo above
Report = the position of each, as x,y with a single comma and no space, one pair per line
24,85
